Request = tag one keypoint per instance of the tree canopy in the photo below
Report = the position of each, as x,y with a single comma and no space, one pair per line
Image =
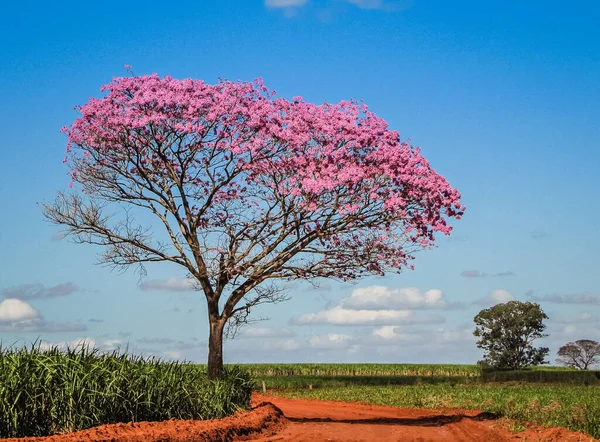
506,333
581,354
248,188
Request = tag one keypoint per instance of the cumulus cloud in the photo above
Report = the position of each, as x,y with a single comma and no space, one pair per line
497,296
172,284
393,335
38,291
13,310
266,332
577,298
384,298
17,316
342,316
331,341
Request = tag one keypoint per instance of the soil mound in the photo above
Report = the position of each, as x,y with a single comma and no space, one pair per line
263,419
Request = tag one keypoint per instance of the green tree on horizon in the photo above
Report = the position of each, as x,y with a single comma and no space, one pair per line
506,333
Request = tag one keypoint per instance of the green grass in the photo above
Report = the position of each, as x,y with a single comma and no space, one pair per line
51,392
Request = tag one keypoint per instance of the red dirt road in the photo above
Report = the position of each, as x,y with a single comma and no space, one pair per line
316,421
279,419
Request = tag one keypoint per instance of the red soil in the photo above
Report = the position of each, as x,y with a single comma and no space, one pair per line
312,420
280,419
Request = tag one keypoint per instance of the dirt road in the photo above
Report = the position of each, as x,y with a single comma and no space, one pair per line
279,419
316,421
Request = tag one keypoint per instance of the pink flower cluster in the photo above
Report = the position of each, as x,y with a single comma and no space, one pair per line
234,144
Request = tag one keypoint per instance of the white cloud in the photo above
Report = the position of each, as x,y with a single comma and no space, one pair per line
380,297
379,305
341,316
73,344
496,296
331,341
281,345
284,3
15,310
88,343
393,334
111,343
266,332
172,284
388,333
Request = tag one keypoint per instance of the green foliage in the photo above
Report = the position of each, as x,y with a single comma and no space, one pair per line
506,332
49,392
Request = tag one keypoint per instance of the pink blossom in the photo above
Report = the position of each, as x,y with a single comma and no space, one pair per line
242,155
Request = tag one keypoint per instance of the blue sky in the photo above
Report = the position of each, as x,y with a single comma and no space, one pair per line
503,97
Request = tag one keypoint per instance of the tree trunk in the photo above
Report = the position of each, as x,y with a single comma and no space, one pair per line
215,348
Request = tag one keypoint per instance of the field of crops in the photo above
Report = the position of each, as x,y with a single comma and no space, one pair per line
262,370
302,375
49,392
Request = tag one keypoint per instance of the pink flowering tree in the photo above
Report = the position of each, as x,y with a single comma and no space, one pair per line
247,189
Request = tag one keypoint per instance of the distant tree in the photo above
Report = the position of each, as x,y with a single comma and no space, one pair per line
241,189
506,333
581,354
